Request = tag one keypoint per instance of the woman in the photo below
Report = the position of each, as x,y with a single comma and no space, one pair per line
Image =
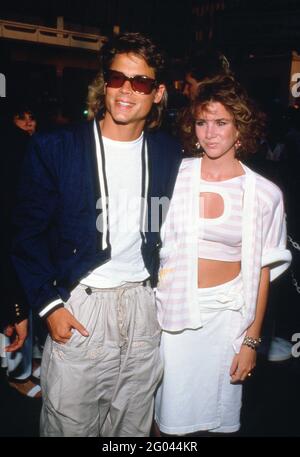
17,327
25,120
223,241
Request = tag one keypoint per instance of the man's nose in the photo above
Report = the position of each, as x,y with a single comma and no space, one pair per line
126,87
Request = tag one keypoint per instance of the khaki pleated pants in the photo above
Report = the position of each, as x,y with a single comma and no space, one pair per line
104,384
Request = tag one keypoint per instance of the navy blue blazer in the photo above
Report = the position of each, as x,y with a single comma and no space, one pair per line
56,241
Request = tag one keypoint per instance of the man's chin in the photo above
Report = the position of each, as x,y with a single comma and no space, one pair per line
121,122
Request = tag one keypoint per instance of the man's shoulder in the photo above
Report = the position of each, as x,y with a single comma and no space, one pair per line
62,144
164,141
57,135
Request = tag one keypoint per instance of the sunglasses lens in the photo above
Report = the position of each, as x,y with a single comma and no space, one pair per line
115,79
142,84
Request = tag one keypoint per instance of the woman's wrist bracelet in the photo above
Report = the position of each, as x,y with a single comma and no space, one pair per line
252,343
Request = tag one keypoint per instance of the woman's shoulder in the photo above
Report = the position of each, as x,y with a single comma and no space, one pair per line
265,187
268,184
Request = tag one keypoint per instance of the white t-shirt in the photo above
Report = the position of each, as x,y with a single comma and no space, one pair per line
124,176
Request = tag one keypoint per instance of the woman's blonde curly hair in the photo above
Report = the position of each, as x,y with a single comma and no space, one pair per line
142,46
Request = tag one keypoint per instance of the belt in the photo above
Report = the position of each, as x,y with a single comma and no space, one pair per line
145,283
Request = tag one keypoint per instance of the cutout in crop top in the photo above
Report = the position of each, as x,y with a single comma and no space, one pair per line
220,238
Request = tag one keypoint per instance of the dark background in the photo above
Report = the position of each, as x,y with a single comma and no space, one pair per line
257,38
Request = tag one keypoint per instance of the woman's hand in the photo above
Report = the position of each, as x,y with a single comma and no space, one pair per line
243,364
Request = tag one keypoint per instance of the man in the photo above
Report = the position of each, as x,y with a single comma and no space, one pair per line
207,64
86,250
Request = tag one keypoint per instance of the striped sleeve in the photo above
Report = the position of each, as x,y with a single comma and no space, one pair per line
275,254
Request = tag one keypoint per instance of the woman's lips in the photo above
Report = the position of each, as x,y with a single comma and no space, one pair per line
211,145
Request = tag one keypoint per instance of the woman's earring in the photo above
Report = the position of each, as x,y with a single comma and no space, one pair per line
199,149
237,148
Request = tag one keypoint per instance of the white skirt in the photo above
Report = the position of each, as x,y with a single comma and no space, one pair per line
196,393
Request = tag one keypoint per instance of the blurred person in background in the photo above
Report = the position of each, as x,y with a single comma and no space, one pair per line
16,318
24,118
207,64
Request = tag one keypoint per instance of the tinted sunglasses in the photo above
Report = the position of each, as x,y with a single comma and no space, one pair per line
139,83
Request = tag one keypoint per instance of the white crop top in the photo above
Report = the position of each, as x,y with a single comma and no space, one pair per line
220,238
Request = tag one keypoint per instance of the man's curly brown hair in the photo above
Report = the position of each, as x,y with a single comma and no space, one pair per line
142,46
248,119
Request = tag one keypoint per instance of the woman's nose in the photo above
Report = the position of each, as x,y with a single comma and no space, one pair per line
210,130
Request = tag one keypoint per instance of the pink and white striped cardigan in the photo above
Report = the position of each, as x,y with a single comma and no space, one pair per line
263,243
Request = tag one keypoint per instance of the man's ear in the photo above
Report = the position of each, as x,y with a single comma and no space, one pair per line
159,93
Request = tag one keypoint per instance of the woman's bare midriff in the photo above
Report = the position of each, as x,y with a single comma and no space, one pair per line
215,272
